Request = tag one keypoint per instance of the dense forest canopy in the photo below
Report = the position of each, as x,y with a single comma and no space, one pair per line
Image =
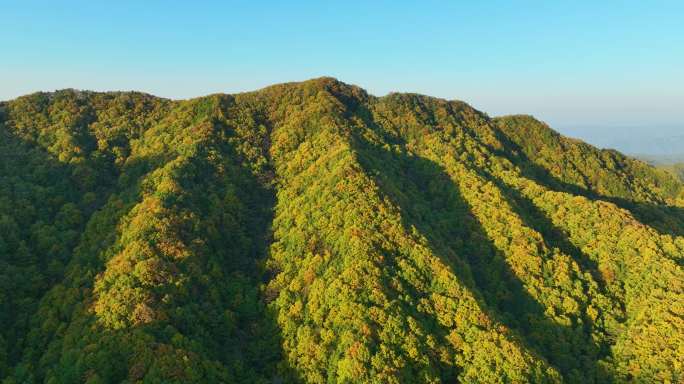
310,232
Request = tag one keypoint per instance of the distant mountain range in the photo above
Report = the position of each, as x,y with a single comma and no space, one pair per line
656,150
661,159
672,146
659,145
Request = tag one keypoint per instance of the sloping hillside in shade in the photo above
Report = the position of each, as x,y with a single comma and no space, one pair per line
310,232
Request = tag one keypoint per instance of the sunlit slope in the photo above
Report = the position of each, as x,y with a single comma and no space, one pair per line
310,232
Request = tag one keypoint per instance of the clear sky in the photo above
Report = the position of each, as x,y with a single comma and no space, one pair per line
593,69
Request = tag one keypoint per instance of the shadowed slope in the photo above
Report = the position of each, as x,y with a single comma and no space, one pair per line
432,204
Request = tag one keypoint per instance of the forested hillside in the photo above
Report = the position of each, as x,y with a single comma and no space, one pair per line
675,169
310,232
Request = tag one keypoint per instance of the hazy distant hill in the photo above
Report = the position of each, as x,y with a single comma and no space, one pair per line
311,232
658,144
664,147
676,169
661,159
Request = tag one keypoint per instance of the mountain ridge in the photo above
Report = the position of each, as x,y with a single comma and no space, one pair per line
311,232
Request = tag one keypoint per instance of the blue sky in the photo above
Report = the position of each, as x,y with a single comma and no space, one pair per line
590,69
